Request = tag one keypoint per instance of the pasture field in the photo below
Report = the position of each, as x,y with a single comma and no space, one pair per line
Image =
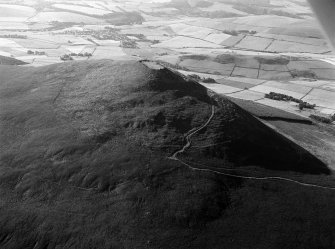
246,80
325,73
82,9
274,67
206,66
311,83
321,98
217,38
282,105
269,21
234,83
247,95
288,86
274,75
36,43
232,41
329,87
221,89
19,11
245,72
267,89
186,42
285,46
63,16
108,52
192,31
296,39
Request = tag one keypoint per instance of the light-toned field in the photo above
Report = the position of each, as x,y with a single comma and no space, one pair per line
274,75
288,86
108,52
20,11
186,42
266,21
217,38
254,43
267,89
286,46
322,98
82,9
246,80
245,72
64,17
247,95
192,31
225,7
221,89
205,66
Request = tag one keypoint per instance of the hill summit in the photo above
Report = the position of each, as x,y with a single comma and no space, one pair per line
86,155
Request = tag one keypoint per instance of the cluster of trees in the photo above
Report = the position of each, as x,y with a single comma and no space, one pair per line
69,57
237,32
323,119
284,97
66,57
36,52
128,44
198,78
14,36
86,54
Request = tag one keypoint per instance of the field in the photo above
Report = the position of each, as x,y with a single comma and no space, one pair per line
251,49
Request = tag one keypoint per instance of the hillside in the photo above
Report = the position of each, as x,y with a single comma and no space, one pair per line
87,162
4,60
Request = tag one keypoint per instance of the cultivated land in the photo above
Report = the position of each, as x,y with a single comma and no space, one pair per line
108,141
167,30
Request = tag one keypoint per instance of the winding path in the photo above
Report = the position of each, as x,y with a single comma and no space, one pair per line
269,178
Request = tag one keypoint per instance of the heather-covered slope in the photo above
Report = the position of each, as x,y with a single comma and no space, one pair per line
85,162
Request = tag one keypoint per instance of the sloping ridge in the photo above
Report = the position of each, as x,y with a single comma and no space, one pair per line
94,96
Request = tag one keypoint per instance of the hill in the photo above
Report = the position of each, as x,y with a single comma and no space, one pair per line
4,60
88,160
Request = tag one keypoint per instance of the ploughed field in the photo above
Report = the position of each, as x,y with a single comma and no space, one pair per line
86,163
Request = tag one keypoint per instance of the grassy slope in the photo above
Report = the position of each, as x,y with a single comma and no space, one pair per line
84,164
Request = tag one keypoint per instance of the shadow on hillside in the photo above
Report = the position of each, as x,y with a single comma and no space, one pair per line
267,148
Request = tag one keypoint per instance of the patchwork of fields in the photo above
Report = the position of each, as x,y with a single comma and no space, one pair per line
234,37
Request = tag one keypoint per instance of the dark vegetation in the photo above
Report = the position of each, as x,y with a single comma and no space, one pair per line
15,36
36,52
83,163
322,118
198,78
303,74
124,18
280,60
284,97
203,4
